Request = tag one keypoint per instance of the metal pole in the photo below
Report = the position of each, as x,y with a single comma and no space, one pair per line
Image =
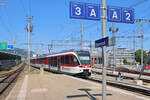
81,35
104,50
141,45
134,47
29,40
14,44
114,56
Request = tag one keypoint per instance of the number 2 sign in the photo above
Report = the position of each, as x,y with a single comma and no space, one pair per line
127,15
118,14
92,12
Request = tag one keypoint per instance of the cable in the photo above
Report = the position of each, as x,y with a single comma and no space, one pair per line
9,22
5,26
138,3
21,2
29,7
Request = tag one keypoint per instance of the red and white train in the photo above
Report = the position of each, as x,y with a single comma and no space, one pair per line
75,62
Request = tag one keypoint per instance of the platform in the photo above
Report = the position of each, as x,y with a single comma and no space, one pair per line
63,87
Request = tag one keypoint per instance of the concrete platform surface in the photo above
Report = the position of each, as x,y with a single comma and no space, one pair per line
63,87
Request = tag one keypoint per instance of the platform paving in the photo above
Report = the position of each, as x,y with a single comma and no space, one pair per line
63,87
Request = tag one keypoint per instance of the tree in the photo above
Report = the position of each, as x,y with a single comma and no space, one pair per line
124,61
138,56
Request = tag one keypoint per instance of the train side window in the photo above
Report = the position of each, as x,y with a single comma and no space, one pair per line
75,61
58,61
55,61
49,60
43,60
66,59
62,59
71,61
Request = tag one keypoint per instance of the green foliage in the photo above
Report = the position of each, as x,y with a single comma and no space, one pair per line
138,56
124,61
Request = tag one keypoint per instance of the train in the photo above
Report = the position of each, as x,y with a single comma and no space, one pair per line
96,61
73,62
8,60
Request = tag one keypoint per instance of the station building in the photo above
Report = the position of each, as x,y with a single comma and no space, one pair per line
121,54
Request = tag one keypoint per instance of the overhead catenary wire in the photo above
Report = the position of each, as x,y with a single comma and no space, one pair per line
23,6
29,7
5,26
138,3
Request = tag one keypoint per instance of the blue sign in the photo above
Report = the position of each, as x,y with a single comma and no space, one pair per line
77,10
93,11
114,14
10,46
118,14
128,15
84,11
102,42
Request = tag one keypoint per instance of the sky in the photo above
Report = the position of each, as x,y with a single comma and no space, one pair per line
51,21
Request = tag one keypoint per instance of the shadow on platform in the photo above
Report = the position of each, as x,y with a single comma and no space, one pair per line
90,96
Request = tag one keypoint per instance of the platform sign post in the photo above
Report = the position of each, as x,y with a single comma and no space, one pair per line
104,49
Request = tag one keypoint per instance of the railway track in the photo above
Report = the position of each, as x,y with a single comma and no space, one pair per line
8,78
121,84
126,86
125,77
123,69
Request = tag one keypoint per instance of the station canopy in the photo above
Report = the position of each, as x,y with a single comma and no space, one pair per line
8,56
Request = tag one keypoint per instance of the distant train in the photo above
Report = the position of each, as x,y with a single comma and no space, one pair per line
96,61
75,62
8,60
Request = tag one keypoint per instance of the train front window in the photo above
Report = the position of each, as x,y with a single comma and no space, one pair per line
84,57
75,61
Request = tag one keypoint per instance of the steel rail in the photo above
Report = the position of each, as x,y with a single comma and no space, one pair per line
9,78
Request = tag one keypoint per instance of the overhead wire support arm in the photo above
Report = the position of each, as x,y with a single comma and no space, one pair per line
142,20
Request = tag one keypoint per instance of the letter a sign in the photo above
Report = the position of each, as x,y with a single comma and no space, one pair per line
93,11
114,14
120,14
84,11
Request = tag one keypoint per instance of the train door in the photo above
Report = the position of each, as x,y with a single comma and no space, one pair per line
49,62
58,63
